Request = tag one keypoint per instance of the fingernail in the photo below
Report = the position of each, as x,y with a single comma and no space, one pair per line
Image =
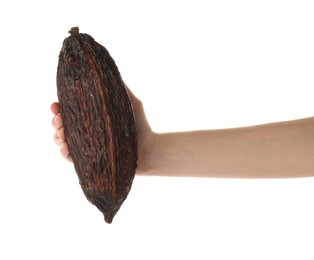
58,133
56,119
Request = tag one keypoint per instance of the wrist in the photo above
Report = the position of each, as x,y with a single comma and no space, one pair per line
147,154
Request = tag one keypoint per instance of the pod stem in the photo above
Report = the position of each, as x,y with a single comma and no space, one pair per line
74,31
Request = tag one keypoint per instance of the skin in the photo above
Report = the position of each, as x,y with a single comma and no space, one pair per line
275,150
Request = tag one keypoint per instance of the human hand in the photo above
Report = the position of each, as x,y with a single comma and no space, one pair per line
145,136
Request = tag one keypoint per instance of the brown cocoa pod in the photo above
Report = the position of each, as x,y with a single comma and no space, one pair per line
98,122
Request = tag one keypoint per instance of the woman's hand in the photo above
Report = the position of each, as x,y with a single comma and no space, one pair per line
275,150
145,135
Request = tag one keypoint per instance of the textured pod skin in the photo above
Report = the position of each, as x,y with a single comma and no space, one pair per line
98,122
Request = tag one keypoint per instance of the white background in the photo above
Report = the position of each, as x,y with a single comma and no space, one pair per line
195,65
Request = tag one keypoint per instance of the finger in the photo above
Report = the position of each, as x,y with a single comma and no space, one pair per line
59,136
58,140
65,151
54,108
57,121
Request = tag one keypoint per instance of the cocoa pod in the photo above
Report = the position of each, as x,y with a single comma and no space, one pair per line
98,121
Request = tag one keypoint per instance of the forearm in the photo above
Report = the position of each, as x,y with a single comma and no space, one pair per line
277,150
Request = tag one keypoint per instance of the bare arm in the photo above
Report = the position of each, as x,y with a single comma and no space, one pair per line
276,150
